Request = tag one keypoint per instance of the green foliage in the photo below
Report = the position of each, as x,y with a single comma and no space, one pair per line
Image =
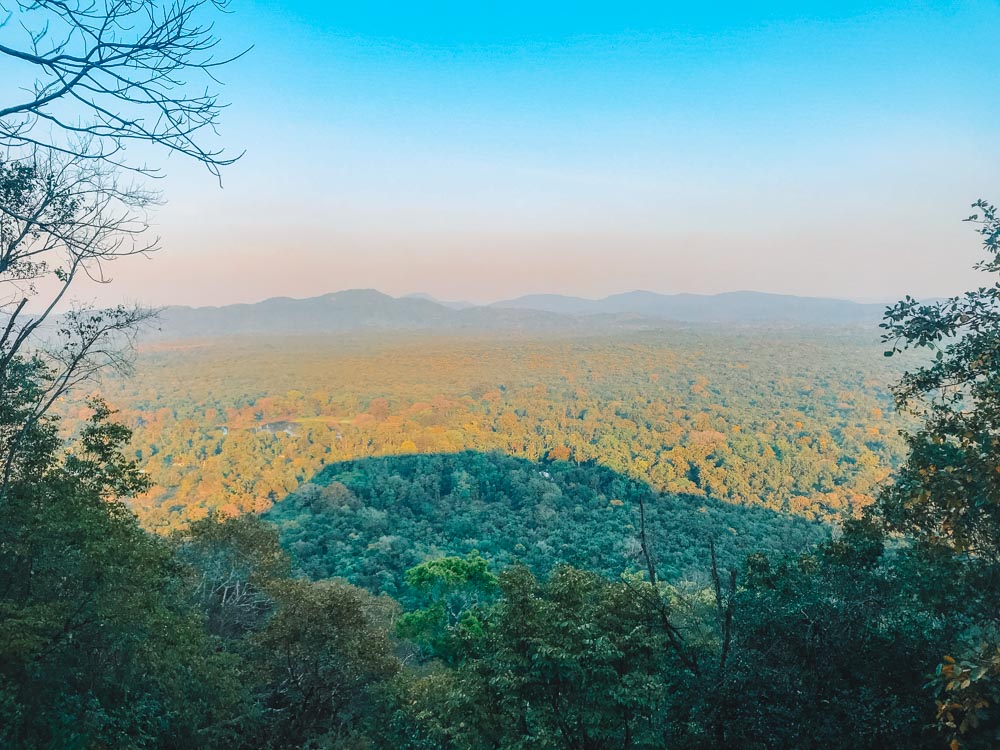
97,645
311,656
113,637
825,649
444,576
832,646
28,443
316,662
966,690
370,520
234,563
947,493
451,590
574,661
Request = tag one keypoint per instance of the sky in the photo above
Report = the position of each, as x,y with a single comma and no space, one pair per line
480,151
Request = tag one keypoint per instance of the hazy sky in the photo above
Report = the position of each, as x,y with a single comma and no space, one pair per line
484,150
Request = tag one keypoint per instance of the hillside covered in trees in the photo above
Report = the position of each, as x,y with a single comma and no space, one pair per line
759,581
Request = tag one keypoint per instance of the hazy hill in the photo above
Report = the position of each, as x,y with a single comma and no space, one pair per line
754,307
356,308
453,304
350,310
368,309
556,303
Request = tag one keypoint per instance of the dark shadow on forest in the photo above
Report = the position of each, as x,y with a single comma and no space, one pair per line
368,520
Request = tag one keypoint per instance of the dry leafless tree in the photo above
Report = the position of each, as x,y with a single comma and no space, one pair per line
112,72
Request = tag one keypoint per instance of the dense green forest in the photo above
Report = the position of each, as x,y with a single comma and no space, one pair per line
372,519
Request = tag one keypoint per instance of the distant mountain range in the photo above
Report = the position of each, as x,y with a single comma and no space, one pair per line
368,309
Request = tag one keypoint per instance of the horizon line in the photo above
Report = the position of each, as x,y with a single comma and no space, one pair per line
444,302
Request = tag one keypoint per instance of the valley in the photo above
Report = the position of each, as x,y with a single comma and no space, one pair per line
793,420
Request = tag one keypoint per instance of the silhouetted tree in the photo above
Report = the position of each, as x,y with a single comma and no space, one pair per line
947,494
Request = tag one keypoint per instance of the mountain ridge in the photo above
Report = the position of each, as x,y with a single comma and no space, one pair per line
740,305
369,309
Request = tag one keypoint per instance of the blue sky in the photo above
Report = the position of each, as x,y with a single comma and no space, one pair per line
485,150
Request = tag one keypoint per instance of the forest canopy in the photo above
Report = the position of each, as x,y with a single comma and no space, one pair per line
371,520
797,421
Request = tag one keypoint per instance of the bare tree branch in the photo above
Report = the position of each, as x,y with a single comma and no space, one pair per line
114,71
